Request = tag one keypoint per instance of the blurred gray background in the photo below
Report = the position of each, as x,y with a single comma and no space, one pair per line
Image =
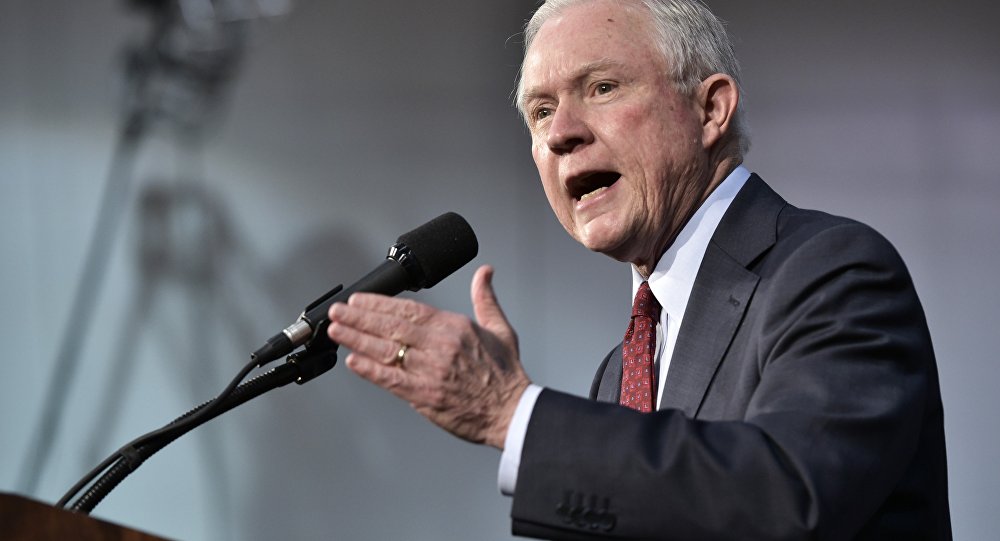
348,123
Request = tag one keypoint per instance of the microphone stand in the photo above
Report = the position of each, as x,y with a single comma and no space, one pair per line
167,59
319,356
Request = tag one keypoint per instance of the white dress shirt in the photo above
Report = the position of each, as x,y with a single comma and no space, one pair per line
671,282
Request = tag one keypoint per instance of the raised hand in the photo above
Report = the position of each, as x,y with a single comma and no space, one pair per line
463,375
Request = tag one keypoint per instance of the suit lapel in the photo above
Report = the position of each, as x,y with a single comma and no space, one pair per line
721,294
609,384
715,309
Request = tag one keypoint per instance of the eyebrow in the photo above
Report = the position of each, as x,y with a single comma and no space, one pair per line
579,74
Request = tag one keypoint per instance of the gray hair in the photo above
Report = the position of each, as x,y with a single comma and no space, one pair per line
692,39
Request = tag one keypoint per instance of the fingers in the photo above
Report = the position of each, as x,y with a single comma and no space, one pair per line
376,326
408,309
486,306
372,346
387,377
388,326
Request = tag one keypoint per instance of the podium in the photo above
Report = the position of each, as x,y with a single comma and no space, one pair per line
24,519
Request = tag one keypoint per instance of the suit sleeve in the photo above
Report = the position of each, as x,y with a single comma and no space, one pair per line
842,364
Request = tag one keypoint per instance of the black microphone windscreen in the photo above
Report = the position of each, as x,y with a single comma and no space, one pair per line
441,246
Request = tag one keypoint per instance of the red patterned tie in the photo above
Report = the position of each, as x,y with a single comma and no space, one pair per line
638,349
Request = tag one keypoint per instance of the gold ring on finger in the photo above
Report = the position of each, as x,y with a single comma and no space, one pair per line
401,355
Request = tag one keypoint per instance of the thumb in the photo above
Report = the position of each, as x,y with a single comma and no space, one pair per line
489,315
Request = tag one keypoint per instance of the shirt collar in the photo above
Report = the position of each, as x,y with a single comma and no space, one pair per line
673,277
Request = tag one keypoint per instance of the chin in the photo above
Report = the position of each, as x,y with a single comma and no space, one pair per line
608,245
615,243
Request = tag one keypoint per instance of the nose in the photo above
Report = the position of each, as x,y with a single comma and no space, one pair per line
568,130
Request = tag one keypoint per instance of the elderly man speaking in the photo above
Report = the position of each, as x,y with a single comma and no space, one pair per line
776,379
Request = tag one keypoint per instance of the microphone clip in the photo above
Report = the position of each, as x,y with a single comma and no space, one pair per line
320,353
301,332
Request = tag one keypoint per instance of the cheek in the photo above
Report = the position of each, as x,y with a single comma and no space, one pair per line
542,158
665,144
559,205
549,175
551,194
641,135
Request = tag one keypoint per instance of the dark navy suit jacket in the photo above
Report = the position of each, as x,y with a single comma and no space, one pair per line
802,402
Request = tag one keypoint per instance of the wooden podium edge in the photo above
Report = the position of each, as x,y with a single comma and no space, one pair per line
25,519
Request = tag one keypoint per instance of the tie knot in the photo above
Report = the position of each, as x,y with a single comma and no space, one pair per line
645,303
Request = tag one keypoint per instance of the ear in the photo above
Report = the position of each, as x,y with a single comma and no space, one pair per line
717,97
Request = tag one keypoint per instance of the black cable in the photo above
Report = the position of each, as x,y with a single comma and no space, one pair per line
318,357
129,461
167,433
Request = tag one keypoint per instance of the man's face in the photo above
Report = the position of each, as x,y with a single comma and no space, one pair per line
618,149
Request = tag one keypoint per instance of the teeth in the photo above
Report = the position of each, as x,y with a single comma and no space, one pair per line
593,193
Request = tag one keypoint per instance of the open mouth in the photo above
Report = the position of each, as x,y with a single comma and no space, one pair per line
589,185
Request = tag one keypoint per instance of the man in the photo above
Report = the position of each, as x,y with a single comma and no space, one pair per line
794,383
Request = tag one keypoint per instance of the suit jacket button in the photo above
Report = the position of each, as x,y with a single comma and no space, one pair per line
608,522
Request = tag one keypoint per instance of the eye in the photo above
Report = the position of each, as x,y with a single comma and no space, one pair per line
541,113
604,88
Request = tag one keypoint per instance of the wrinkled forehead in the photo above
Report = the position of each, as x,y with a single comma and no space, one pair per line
601,32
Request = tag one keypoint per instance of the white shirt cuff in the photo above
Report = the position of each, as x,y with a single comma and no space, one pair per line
510,460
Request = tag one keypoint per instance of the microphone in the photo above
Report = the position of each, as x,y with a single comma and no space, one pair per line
419,259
